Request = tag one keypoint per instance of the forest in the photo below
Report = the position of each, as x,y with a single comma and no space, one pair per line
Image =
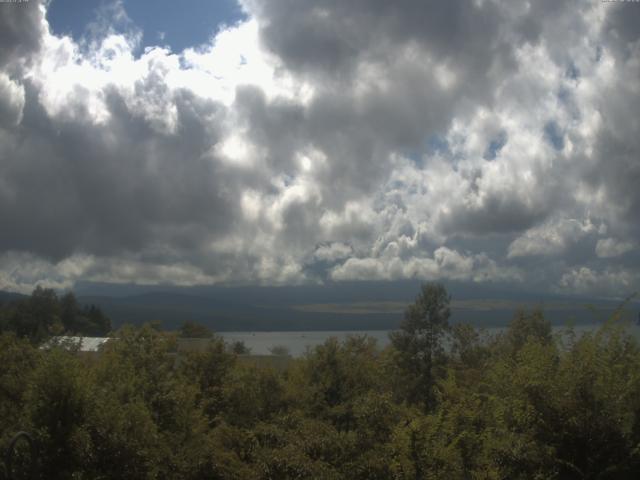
442,401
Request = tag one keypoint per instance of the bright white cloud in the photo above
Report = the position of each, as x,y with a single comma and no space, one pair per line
552,238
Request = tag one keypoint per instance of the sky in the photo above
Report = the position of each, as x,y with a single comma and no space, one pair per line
176,24
279,142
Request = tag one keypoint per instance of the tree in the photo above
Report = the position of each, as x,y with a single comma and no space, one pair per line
69,311
281,350
97,322
18,359
209,370
239,348
57,404
331,378
527,326
191,329
43,314
418,343
36,317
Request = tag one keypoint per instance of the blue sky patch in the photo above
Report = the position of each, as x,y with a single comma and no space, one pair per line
494,147
573,72
554,135
437,144
179,25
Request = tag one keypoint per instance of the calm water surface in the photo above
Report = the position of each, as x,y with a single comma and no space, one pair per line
297,342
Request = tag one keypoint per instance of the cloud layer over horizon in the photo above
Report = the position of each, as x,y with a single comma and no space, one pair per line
326,141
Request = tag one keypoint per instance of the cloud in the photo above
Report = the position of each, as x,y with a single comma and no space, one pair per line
611,282
552,238
444,264
472,141
21,31
610,247
332,252
11,102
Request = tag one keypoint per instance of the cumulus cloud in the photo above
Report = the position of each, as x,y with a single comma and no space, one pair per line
550,239
613,282
610,247
332,252
445,264
325,140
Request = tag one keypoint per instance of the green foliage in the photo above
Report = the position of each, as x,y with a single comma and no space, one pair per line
58,406
19,361
520,405
333,376
280,350
44,314
527,327
190,329
239,348
209,371
418,344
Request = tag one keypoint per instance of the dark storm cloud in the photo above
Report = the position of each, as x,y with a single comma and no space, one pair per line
617,142
498,214
20,30
620,173
276,126
330,37
102,189
621,27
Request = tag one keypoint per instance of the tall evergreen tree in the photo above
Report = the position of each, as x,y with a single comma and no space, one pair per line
418,343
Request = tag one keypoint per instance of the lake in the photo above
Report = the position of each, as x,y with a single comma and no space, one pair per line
297,342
